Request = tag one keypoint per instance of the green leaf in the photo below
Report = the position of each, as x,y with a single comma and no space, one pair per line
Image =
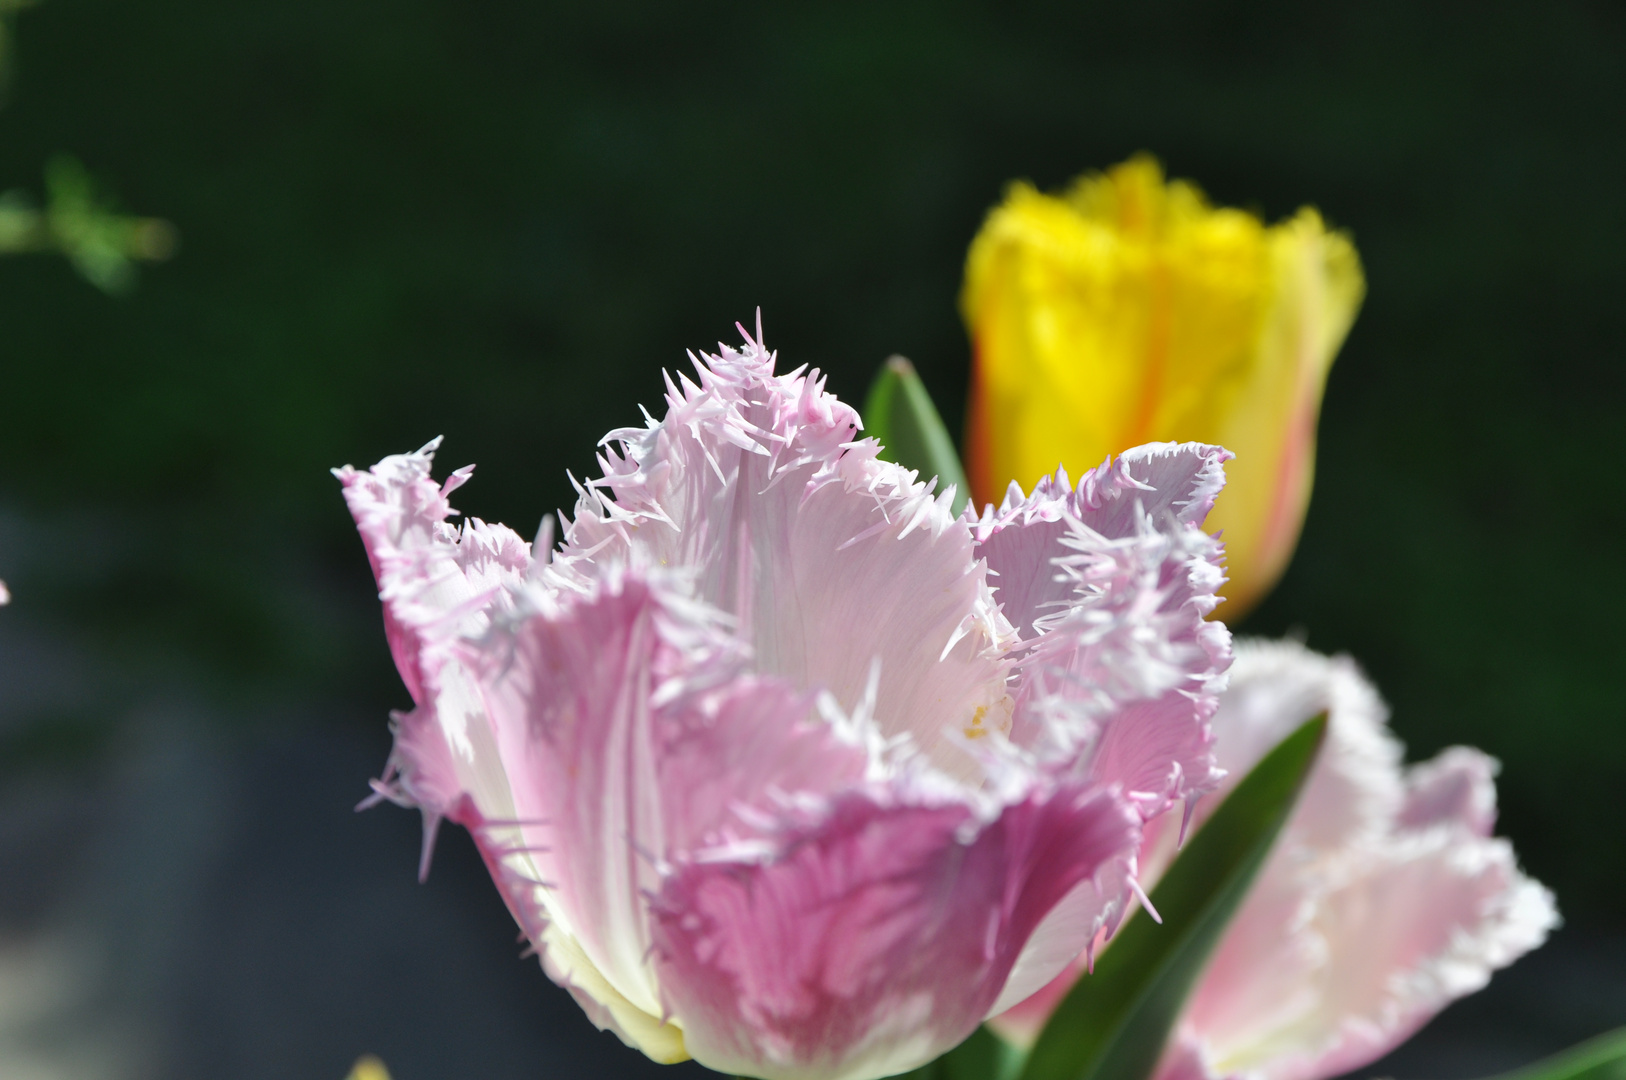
1602,1058
900,414
1113,1024
984,1056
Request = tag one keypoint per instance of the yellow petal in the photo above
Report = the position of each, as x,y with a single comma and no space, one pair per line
368,1067
1128,310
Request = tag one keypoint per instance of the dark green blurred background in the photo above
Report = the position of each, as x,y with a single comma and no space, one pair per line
498,220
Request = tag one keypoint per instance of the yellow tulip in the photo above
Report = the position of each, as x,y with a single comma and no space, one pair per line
368,1067
1129,310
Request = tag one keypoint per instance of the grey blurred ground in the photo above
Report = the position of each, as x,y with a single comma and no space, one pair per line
195,905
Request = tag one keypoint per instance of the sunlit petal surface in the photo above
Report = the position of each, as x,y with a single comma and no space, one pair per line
767,760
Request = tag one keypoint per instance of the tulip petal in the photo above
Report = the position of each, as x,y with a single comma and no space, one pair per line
435,581
1368,960
723,752
629,728
831,559
879,936
438,583
1022,538
1357,789
1384,899
441,585
1052,961
1457,785
1183,1060
570,841
1110,584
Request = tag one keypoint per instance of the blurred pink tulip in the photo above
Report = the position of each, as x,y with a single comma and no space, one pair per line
776,762
1385,898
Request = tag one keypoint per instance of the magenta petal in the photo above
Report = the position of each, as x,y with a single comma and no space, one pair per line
880,936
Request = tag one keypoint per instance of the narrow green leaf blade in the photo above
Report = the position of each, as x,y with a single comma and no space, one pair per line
900,414
1602,1058
1113,1024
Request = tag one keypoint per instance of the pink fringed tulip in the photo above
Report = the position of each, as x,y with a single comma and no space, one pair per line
776,762
1385,898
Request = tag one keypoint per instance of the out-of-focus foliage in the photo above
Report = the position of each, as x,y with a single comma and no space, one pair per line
497,221
900,414
79,222
8,12
1603,1058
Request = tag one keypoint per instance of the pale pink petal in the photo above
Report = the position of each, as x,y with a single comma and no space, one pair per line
878,938
1456,786
1441,915
1110,584
1355,790
831,559
1410,929
1183,1059
1263,974
1383,900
